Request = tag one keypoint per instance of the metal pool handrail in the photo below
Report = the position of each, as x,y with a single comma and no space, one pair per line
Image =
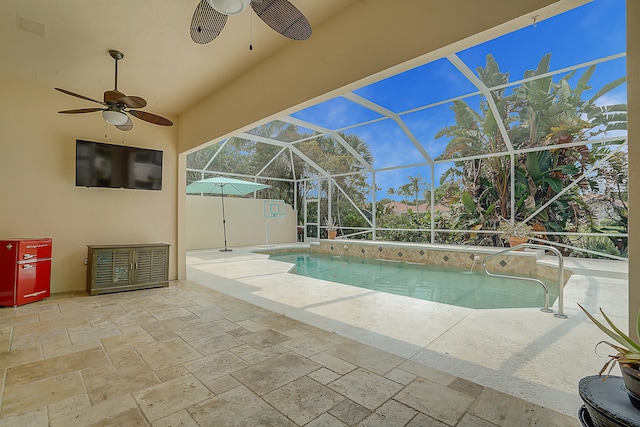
546,309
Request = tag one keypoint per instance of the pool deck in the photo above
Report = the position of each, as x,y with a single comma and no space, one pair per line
524,353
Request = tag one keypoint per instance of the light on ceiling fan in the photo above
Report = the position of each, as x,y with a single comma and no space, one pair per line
116,118
229,7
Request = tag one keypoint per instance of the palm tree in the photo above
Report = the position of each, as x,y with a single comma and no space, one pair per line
477,133
426,195
392,192
405,190
414,187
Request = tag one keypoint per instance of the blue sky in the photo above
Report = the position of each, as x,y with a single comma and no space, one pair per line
590,32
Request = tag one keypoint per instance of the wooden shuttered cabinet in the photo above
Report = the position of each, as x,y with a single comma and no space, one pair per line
152,265
115,268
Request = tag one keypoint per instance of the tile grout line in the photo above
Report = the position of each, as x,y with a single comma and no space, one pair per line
4,380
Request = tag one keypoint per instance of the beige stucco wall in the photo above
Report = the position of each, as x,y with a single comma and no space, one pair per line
37,182
246,224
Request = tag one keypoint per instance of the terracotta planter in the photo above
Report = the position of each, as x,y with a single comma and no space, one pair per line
332,234
515,241
631,379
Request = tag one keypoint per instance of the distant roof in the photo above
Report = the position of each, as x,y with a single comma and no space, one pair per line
401,208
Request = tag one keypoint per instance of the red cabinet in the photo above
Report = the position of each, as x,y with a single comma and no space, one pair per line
25,271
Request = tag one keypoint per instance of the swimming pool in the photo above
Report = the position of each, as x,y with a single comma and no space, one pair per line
448,285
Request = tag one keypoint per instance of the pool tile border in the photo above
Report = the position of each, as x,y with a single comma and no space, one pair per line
521,263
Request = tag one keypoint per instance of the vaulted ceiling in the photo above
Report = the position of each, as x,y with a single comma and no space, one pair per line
65,43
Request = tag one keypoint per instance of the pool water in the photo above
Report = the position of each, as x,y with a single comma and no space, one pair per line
448,285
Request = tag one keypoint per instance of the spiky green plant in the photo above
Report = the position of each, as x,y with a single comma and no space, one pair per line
628,350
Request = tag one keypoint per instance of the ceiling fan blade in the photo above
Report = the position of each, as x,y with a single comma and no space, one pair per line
133,101
127,126
81,110
77,96
151,118
112,96
206,23
283,17
117,97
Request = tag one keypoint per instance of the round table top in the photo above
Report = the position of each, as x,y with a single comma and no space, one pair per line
609,397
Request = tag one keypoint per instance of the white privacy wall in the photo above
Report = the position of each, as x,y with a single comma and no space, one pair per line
246,224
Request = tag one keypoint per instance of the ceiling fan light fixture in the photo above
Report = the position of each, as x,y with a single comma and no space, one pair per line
229,7
116,118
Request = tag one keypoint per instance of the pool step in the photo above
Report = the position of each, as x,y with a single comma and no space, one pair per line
591,267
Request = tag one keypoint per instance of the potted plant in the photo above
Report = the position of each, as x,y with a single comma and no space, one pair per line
332,228
628,356
516,233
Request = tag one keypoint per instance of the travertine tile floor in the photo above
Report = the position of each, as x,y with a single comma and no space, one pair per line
188,355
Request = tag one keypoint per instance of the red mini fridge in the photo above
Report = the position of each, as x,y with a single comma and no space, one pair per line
25,271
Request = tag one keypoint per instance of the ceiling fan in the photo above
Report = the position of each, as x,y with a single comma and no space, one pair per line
210,17
117,105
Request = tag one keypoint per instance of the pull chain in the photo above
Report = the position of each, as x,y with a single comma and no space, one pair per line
251,33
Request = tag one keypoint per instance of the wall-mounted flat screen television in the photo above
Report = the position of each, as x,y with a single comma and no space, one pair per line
117,166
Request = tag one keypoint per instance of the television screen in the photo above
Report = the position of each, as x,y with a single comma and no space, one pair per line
117,166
